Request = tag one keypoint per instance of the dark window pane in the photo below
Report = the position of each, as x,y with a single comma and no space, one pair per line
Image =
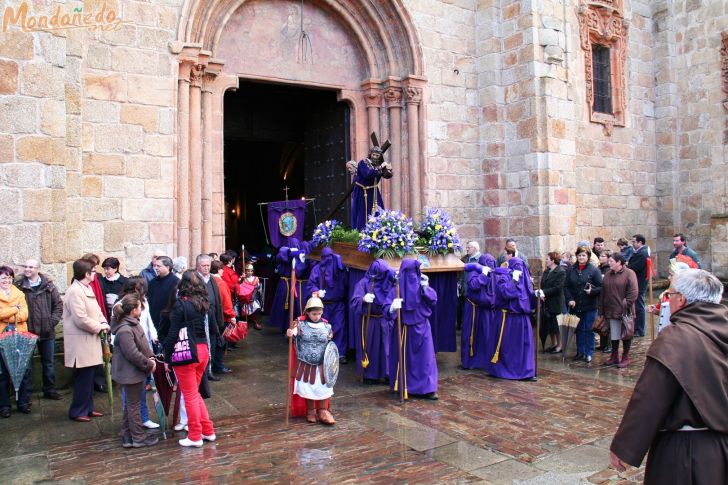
602,79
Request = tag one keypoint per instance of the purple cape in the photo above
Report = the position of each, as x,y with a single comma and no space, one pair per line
419,363
478,315
279,308
331,275
372,329
510,337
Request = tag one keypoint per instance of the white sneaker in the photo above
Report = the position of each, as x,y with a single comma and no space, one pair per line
150,424
189,442
210,438
180,426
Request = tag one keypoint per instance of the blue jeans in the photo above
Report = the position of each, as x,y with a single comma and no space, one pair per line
47,350
584,333
639,313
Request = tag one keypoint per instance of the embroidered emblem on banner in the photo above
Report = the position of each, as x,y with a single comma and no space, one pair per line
287,224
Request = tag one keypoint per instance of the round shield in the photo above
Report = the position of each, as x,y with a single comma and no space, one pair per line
331,364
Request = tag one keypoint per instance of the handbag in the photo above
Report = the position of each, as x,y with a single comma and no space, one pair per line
627,325
185,350
235,332
204,388
601,326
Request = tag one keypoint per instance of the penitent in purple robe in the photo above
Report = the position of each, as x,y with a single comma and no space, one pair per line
279,312
510,337
372,339
331,275
418,303
478,313
366,192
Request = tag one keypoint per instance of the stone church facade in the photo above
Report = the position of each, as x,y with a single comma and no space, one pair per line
111,120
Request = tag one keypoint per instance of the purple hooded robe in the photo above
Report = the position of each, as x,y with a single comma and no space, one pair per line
279,308
478,313
331,275
420,366
372,339
510,339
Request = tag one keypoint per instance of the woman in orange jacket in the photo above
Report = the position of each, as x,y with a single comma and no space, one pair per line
13,311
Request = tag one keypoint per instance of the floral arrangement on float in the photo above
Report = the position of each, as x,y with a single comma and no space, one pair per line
324,232
438,234
388,234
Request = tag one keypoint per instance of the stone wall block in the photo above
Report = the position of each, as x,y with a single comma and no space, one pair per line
147,210
140,166
53,117
101,209
161,232
18,114
53,243
119,234
15,44
91,186
146,116
22,175
8,77
159,145
9,199
118,138
25,243
73,99
42,149
110,87
158,91
157,189
53,48
99,57
43,81
44,205
100,111
7,148
103,164
115,186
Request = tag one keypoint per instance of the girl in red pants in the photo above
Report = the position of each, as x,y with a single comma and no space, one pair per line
185,348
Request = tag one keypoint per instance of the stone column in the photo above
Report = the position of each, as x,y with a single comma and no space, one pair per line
413,98
373,101
208,180
195,191
393,97
183,122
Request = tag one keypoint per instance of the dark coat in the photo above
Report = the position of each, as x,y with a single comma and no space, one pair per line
619,292
161,293
111,287
45,306
552,285
638,264
576,282
131,363
217,322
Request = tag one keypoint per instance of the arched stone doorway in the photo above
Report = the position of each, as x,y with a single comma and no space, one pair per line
366,50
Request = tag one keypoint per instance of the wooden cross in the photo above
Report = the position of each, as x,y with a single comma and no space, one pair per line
285,188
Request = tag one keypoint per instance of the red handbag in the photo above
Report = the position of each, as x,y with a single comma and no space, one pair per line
235,332
246,291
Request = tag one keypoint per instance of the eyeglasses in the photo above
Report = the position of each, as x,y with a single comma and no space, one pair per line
30,267
671,293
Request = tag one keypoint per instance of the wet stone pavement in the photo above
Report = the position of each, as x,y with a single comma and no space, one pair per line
482,430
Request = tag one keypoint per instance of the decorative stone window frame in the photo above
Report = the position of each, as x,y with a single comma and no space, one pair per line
601,22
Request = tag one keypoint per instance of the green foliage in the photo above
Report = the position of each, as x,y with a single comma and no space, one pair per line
342,234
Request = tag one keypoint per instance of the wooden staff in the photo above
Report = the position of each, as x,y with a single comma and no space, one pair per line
400,369
365,328
291,304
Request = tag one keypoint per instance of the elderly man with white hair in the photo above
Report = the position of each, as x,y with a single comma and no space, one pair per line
678,407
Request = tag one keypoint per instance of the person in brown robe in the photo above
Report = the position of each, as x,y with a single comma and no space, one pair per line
679,408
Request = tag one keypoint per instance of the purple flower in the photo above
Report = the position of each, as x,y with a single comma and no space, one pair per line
439,231
322,233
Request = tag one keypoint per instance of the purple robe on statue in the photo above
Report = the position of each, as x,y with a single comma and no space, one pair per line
510,338
372,339
366,192
419,352
478,313
279,311
331,275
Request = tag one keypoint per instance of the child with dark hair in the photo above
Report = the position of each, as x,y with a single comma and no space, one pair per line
133,362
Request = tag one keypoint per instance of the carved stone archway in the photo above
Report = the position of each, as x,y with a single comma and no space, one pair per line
366,50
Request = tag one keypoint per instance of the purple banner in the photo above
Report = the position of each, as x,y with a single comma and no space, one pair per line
285,220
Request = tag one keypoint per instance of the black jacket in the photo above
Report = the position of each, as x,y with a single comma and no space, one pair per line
552,285
576,283
161,293
638,264
184,314
111,287
45,307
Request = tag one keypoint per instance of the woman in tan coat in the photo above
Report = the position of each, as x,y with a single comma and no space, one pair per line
13,311
83,321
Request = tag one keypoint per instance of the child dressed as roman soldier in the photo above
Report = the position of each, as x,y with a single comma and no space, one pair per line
311,335
249,296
